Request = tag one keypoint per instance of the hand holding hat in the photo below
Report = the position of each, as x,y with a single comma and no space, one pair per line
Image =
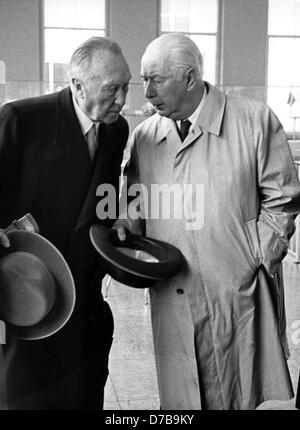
37,292
120,258
27,222
4,241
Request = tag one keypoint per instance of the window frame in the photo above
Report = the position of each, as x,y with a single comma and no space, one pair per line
217,35
271,36
43,28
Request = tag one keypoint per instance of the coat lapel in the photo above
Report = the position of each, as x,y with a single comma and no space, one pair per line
74,155
210,117
86,174
69,134
70,137
103,171
89,206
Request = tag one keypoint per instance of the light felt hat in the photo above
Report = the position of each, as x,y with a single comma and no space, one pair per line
37,292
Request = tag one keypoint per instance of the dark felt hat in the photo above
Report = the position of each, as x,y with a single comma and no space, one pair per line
37,292
138,261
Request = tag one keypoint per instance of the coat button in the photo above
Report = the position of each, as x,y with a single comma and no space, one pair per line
179,291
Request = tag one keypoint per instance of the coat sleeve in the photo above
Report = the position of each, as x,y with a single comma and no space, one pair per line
279,190
10,158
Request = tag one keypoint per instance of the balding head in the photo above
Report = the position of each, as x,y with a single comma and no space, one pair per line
171,69
91,56
99,79
177,51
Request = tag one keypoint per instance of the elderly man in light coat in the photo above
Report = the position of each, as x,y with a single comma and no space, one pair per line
219,324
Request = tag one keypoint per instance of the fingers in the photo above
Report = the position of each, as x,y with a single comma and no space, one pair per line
4,241
122,227
121,232
127,227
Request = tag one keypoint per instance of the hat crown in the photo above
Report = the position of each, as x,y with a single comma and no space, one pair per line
27,289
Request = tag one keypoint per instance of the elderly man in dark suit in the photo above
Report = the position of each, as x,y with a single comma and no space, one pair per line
51,166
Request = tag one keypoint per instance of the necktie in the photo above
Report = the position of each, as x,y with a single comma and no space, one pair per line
91,138
184,129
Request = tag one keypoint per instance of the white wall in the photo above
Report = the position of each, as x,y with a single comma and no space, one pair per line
20,39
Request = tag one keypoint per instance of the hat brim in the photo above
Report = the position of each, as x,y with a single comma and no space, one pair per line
65,289
134,271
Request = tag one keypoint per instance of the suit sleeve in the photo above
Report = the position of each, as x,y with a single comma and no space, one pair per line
279,190
10,157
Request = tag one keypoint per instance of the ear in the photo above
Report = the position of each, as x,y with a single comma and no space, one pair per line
78,87
191,79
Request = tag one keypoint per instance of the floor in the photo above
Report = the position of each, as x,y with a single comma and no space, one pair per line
132,381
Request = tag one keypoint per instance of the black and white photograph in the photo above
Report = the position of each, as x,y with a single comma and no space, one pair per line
149,207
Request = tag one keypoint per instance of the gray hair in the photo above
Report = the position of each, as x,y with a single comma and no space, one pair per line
182,53
81,63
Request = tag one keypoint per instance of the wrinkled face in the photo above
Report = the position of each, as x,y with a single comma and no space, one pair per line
161,86
103,97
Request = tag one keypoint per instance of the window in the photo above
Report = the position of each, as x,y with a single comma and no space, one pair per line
284,61
199,20
68,23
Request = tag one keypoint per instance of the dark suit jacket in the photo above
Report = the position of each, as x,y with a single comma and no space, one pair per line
45,169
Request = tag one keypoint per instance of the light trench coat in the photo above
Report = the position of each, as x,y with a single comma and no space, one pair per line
219,324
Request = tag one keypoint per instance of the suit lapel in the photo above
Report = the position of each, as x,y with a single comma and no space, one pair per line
70,136
88,175
74,156
103,171
89,206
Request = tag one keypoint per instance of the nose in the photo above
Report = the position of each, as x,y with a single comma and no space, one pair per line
121,97
149,90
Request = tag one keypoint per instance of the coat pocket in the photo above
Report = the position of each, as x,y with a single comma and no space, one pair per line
250,228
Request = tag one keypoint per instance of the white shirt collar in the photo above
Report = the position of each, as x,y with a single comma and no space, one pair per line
84,121
193,118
